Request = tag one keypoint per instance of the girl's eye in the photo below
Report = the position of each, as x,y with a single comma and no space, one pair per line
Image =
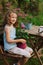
13,17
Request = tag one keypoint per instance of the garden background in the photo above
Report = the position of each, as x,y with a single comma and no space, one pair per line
28,11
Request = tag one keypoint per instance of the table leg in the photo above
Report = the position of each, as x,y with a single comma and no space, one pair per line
35,51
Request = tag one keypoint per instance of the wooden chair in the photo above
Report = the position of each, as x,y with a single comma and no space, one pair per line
14,56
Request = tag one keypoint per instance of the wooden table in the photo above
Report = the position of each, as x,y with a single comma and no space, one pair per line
34,31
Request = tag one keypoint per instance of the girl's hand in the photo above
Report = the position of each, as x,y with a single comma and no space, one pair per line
22,41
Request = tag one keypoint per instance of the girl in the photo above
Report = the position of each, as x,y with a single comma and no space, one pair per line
10,45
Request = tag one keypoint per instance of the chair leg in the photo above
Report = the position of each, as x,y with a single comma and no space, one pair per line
5,60
4,57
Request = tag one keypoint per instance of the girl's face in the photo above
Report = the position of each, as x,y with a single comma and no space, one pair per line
13,18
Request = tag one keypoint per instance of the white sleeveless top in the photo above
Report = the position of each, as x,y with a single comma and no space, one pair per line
7,45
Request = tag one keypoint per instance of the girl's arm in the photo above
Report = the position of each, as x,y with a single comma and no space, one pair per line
9,40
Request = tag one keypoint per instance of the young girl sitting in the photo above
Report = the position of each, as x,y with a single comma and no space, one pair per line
10,44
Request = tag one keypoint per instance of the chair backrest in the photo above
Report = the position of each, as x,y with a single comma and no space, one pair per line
1,34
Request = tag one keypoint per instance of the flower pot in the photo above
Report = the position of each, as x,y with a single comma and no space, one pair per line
28,25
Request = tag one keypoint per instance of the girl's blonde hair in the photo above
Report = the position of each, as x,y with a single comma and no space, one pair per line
7,15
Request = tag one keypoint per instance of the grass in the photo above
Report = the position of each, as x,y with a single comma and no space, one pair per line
33,61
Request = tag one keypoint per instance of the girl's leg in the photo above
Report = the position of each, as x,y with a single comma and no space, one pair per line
22,52
22,61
